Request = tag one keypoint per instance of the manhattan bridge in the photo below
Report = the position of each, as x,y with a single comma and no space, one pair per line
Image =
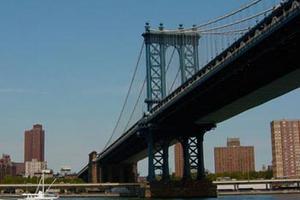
188,79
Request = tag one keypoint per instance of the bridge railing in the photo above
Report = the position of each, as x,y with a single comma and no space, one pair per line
269,23
261,23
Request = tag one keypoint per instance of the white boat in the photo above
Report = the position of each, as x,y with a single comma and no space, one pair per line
40,193
39,196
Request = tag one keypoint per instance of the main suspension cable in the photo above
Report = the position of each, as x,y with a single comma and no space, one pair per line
238,21
141,91
127,95
216,19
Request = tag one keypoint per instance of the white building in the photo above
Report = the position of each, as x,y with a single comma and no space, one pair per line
64,171
34,167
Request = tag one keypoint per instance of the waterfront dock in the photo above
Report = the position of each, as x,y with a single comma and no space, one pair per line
252,187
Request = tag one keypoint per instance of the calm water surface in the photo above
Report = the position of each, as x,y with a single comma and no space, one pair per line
243,197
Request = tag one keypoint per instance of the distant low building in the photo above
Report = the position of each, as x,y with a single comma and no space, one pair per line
5,166
34,167
47,173
234,158
10,168
65,171
18,168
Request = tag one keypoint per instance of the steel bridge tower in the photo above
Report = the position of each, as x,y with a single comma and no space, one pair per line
186,44
157,42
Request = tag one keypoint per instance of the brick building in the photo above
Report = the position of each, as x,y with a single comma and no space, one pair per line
6,168
178,153
34,150
285,136
18,168
34,143
234,158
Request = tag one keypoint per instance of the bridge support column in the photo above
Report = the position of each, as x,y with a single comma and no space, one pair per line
151,170
186,158
192,156
158,158
165,170
200,158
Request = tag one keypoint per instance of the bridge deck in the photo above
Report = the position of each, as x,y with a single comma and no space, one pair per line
262,65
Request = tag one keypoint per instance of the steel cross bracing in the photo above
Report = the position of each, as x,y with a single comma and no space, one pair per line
157,43
189,63
155,72
186,44
270,22
193,151
160,157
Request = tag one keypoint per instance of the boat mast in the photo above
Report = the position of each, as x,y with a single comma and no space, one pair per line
43,184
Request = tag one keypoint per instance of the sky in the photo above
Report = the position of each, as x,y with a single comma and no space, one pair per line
67,64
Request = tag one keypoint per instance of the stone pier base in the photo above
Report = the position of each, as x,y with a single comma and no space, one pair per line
181,189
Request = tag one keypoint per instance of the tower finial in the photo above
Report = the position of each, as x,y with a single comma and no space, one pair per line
147,26
161,26
194,27
180,27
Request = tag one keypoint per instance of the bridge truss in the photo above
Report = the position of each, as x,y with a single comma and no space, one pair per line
199,48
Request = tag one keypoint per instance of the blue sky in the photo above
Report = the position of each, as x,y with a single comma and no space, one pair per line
67,65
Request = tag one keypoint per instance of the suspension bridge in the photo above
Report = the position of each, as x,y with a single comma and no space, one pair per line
196,78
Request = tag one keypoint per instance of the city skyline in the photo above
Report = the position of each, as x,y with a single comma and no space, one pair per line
68,68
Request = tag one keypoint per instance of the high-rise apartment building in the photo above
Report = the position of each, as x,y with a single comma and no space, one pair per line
234,158
34,146
34,143
285,135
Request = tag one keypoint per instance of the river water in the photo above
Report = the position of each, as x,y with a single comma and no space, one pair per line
242,197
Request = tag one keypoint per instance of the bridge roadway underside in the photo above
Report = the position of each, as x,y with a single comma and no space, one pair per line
264,71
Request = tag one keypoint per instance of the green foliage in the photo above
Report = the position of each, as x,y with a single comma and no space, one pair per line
35,180
235,175
242,176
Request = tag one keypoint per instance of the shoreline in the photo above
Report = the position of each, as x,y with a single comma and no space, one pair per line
83,195
219,193
257,192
